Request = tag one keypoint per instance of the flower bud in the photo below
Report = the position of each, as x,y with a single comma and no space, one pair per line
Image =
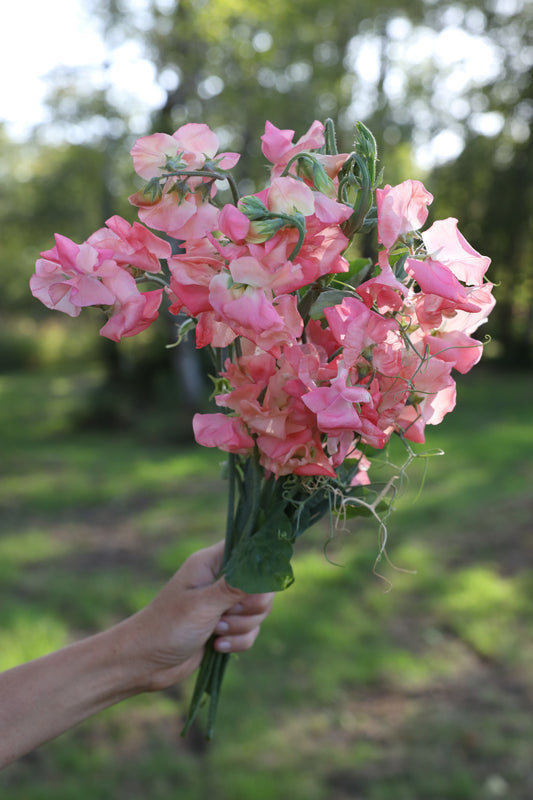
253,207
263,229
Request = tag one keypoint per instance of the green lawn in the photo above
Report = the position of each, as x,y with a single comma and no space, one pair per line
414,687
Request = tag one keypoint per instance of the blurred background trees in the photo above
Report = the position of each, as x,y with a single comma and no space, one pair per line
445,87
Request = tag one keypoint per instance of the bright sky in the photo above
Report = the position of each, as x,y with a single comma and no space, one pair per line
38,35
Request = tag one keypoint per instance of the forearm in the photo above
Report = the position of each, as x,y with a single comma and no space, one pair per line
43,698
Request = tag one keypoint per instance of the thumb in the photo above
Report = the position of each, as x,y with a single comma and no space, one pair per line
221,596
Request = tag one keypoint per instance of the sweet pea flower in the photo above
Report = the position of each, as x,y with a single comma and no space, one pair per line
194,142
278,147
401,209
211,330
233,223
188,217
335,405
220,430
435,278
131,245
446,244
245,306
298,454
191,274
288,195
69,277
384,291
365,336
466,321
454,347
132,311
432,395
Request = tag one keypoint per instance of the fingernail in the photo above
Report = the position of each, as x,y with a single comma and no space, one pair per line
236,609
223,644
222,627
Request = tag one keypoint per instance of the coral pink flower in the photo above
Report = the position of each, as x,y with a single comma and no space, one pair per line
435,278
189,217
250,313
132,311
191,274
298,454
385,291
401,209
466,321
131,245
365,335
278,148
211,330
432,395
219,430
335,405
233,223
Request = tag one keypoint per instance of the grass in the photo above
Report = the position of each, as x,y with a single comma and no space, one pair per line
422,691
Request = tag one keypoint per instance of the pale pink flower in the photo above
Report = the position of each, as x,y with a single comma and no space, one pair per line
243,306
454,347
401,209
69,277
446,244
150,154
287,195
329,211
251,271
432,394
195,143
469,321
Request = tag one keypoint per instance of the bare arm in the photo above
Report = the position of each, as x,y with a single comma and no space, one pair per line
157,647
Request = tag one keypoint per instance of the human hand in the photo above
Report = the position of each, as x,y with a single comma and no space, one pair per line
170,633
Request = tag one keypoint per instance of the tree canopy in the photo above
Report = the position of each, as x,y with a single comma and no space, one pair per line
445,87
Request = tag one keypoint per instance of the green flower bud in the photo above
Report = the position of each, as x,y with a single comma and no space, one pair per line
253,207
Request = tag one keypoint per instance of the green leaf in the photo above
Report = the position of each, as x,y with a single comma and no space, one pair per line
262,562
331,297
361,270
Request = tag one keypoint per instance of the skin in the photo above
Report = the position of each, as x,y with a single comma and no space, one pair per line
159,646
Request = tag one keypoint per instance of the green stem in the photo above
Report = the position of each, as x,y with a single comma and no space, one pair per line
150,277
230,515
216,176
219,668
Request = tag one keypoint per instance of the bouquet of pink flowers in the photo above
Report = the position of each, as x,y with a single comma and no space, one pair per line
322,355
